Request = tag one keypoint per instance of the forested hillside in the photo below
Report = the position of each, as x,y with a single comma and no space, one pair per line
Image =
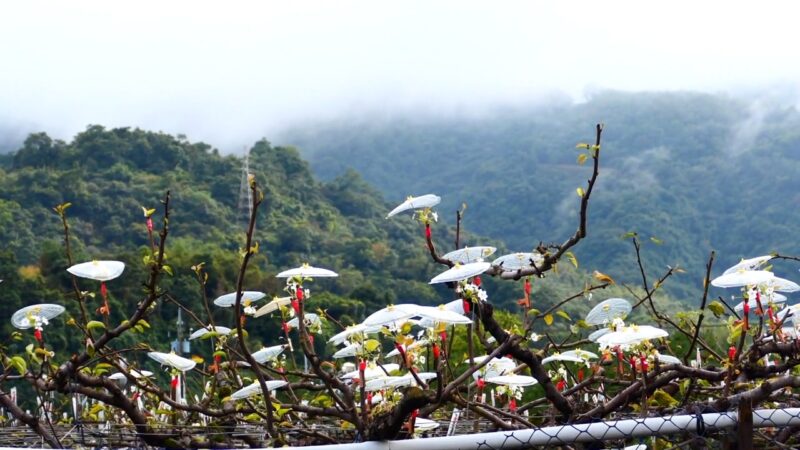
696,171
108,175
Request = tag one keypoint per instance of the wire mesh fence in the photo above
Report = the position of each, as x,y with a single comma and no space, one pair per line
766,428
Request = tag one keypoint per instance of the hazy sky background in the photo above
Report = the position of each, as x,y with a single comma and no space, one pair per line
232,72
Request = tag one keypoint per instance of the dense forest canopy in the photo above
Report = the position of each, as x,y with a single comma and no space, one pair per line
695,171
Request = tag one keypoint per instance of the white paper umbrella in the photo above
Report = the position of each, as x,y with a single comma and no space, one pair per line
608,310
391,313
423,201
120,377
457,306
408,379
272,305
346,333
582,354
26,317
268,353
777,299
461,272
307,271
748,264
98,270
495,367
596,334
467,255
376,384
421,425
742,278
631,335
310,319
668,359
512,380
372,372
439,314
562,357
228,300
204,331
516,261
781,285
173,360
348,351
255,389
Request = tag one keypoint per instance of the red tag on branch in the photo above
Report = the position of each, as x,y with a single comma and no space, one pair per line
37,333
296,306
174,382
477,280
732,353
362,366
527,287
149,223
427,231
561,385
299,293
435,352
467,306
103,289
480,383
512,405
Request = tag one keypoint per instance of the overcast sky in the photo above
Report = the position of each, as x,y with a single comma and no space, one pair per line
232,72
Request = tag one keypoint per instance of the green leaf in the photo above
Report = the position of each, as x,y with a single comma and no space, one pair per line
583,146
582,158
656,240
533,312
371,345
629,234
564,315
95,324
18,362
580,192
548,319
167,269
717,308
571,257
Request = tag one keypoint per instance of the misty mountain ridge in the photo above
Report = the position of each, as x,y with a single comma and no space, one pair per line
696,171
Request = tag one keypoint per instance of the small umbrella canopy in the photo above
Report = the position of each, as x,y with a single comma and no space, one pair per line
307,271
310,319
503,360
408,379
423,201
372,372
457,306
668,359
582,354
516,261
119,376
596,334
632,335
441,315
173,360
268,353
272,305
347,332
777,299
26,317
562,357
391,313
495,367
255,389
470,254
348,351
781,285
98,270
228,300
204,331
748,264
512,380
422,425
411,346
461,272
377,384
742,278
608,310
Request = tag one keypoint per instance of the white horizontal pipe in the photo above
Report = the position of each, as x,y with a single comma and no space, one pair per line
587,432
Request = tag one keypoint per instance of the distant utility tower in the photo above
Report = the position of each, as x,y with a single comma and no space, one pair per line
245,195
